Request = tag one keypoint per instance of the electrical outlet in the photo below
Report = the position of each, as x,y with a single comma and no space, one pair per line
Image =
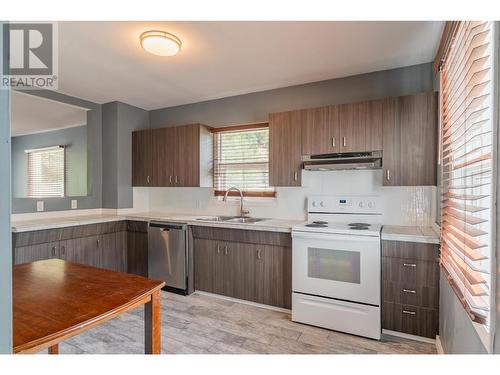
39,206
74,204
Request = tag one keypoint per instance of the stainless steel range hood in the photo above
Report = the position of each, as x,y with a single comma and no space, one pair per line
344,160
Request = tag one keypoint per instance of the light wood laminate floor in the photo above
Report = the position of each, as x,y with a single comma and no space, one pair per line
201,324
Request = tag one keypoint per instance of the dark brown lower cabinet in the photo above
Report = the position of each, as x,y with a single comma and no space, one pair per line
137,247
82,250
32,253
99,245
256,272
410,289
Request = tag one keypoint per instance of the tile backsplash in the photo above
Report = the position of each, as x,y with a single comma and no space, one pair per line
413,205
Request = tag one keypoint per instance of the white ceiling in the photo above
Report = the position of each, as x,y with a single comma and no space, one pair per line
103,61
32,114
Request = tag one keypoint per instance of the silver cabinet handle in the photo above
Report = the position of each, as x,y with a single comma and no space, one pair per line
225,250
53,250
170,179
344,142
175,179
407,312
258,254
63,250
410,291
295,175
218,249
409,265
98,243
388,175
333,142
147,179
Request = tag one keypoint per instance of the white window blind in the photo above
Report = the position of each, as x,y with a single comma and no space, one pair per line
241,159
46,172
467,168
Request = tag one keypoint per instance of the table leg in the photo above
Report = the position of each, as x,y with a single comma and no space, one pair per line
54,349
152,324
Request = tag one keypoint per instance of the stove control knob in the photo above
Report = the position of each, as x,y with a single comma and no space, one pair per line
322,204
361,205
371,204
314,203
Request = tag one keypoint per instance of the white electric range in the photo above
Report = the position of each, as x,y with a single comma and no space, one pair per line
336,259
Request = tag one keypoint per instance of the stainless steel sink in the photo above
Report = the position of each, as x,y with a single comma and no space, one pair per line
245,220
231,219
215,218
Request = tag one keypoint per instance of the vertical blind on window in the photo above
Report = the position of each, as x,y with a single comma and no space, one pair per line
467,168
241,159
46,172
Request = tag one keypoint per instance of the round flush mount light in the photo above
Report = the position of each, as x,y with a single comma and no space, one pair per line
160,43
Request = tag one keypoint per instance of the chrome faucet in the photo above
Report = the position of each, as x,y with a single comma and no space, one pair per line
233,188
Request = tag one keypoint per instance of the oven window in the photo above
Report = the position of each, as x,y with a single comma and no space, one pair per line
336,265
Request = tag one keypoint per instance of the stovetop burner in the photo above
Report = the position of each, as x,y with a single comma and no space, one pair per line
317,225
359,224
320,222
359,227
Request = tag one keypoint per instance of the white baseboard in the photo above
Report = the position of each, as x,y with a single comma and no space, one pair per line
439,345
408,336
255,304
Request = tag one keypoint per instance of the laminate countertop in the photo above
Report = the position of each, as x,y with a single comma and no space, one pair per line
410,234
274,225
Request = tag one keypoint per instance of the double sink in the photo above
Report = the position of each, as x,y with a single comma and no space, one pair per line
231,219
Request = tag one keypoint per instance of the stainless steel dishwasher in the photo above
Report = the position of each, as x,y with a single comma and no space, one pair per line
167,254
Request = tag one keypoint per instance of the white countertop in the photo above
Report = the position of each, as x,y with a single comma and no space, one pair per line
274,225
410,234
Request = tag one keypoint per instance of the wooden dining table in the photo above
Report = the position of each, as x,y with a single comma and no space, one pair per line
54,300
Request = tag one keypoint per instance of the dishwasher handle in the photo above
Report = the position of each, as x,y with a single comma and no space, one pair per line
168,226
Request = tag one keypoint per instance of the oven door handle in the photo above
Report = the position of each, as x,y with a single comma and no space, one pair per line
329,236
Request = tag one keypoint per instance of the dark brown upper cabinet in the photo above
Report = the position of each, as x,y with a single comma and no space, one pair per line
142,158
285,148
320,130
410,140
179,156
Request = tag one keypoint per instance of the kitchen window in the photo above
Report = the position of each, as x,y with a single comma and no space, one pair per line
467,170
241,159
46,175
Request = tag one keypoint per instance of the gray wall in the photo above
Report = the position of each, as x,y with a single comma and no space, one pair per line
255,107
5,236
74,138
456,332
119,120
94,160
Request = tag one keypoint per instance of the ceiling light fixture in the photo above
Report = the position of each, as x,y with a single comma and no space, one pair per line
160,43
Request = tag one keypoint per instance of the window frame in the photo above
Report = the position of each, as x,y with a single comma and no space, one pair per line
236,128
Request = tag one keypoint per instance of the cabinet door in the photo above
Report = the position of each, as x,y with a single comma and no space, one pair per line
374,121
112,249
204,267
82,250
187,158
137,253
352,119
142,158
163,151
391,158
32,253
320,131
244,271
274,275
410,140
285,148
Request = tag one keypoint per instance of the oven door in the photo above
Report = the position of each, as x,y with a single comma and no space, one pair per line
345,267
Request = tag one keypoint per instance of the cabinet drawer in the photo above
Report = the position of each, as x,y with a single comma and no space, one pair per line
420,296
412,250
409,319
410,272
